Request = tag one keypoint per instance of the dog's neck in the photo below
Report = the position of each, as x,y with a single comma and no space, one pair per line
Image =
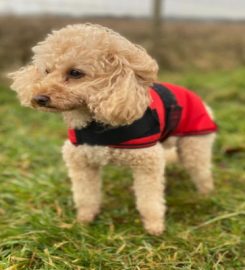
78,118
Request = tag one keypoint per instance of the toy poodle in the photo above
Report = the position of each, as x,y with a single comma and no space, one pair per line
107,91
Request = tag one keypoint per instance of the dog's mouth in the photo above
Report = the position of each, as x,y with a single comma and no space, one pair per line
49,109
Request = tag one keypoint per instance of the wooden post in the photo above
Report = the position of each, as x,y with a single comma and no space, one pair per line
156,26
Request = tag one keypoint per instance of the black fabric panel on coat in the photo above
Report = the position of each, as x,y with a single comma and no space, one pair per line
173,110
99,134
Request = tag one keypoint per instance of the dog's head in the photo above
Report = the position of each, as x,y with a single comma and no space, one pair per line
88,66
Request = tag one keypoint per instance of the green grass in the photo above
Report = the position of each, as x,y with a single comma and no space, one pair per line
37,216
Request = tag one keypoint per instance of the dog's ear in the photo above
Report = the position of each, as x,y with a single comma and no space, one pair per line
124,96
143,65
23,81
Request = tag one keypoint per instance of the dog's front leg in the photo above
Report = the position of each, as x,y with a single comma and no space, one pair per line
148,175
86,183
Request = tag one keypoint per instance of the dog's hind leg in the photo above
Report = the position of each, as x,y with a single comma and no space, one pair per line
195,153
148,175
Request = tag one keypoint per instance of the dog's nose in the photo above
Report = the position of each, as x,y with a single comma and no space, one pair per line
41,100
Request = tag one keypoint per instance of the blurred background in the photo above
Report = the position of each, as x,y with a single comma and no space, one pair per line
190,34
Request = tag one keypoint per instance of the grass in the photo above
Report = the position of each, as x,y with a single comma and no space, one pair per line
37,217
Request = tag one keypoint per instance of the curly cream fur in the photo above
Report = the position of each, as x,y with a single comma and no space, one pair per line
113,91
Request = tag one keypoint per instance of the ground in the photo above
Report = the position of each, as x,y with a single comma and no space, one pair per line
37,217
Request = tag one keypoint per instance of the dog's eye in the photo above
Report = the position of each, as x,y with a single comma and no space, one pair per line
76,73
47,71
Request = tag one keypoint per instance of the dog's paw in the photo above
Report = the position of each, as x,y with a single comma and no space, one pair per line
206,189
154,228
86,216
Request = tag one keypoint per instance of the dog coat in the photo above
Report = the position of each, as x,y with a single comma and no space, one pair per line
174,111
